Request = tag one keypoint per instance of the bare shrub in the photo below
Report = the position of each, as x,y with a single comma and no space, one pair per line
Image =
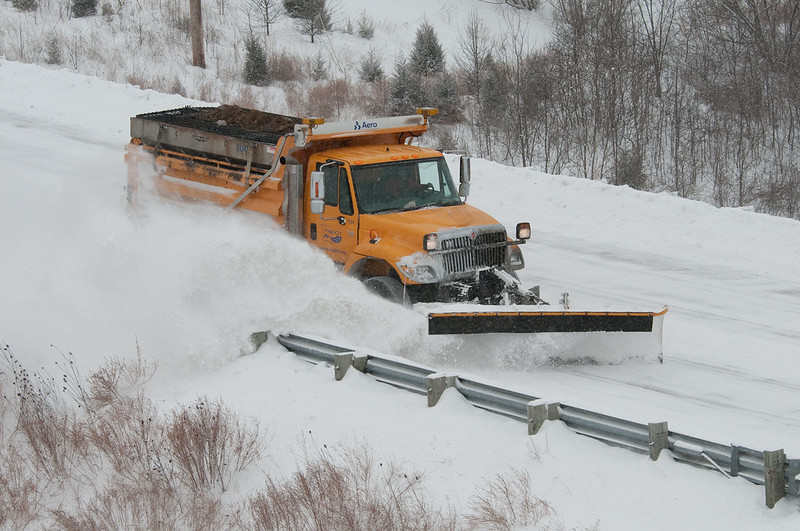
330,99
104,383
507,503
284,66
374,97
347,491
46,425
6,405
129,435
210,443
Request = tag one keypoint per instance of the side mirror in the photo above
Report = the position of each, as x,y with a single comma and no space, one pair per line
317,206
465,171
317,185
465,176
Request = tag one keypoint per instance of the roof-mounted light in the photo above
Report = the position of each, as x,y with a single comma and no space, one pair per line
314,121
427,111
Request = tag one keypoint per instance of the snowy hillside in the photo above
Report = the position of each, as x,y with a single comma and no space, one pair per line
189,283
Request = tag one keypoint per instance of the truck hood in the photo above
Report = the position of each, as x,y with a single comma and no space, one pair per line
411,226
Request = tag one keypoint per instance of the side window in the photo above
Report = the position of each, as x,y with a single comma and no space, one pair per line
331,185
429,174
345,199
337,189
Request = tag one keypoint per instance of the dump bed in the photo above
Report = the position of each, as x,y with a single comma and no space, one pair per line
226,132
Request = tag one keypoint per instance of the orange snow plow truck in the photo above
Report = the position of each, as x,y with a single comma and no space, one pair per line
386,211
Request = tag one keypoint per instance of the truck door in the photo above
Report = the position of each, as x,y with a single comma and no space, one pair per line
336,229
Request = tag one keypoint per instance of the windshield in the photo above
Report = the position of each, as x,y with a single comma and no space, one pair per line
404,185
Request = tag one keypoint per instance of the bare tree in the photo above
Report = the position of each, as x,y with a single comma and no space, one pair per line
473,62
530,5
266,12
658,20
196,31
313,16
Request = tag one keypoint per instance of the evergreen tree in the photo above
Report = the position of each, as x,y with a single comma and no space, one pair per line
427,57
255,63
319,70
405,89
25,5
366,28
53,48
371,69
84,8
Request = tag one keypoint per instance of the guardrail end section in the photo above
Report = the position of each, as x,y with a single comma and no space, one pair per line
437,383
659,438
259,338
774,476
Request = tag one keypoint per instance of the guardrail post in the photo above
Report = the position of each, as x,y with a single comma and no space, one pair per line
537,414
360,362
734,460
553,412
341,362
437,383
774,476
659,438
345,360
792,471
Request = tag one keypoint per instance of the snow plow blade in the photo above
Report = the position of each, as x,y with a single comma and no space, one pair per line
533,322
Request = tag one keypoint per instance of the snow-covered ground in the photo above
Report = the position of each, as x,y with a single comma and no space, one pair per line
188,283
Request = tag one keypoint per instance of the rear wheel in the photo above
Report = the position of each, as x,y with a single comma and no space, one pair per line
388,288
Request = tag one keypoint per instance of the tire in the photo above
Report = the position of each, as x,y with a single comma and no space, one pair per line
387,288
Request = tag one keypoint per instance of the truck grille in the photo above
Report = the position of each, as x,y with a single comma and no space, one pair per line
465,254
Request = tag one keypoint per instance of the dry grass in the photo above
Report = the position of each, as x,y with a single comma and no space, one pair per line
507,503
347,491
114,462
145,506
22,492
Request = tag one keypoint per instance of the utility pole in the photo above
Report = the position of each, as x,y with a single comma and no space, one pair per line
196,31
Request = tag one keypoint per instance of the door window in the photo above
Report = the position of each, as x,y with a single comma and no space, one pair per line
337,189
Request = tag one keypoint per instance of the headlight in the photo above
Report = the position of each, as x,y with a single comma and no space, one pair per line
420,273
515,259
523,231
430,242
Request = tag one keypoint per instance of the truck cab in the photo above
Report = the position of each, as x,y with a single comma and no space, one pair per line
391,214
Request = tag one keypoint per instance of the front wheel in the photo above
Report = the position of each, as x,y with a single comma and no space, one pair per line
388,288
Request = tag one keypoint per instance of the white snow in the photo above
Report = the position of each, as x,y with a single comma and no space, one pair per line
189,283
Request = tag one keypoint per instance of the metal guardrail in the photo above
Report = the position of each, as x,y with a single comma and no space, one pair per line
771,469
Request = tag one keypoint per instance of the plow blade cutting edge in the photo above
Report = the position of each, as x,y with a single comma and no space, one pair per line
532,322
